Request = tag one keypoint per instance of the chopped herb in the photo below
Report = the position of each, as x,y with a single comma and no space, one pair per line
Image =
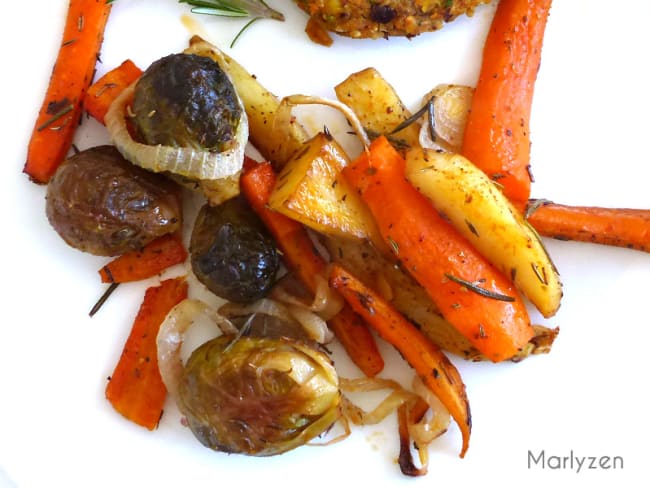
479,290
65,110
394,245
111,288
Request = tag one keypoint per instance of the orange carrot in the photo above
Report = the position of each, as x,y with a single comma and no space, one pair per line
470,293
429,362
72,74
300,255
622,227
497,133
135,389
152,259
101,93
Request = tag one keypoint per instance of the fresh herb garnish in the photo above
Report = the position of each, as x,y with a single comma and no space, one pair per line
257,9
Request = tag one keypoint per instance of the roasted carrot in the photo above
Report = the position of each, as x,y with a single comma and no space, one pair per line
300,256
430,363
622,227
101,93
470,293
72,74
497,132
152,259
135,389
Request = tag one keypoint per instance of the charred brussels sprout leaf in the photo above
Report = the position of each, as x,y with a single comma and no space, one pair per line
100,203
258,396
185,100
232,253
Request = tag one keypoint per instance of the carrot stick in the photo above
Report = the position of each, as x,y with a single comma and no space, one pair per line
300,255
622,227
497,132
72,74
101,93
152,259
470,293
430,363
135,388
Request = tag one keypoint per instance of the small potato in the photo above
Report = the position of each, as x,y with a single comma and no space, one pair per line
479,211
100,203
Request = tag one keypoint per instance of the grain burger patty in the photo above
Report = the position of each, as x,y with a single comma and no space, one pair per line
384,18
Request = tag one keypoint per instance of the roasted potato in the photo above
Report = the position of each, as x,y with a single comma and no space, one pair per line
310,190
480,212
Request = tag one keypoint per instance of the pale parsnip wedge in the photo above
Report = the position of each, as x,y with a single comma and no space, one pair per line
478,209
377,105
309,189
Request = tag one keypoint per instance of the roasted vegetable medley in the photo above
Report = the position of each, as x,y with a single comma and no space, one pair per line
418,239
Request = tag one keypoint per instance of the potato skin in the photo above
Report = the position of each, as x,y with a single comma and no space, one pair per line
100,203
365,19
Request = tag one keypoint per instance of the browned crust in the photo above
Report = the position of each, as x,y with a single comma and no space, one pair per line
368,19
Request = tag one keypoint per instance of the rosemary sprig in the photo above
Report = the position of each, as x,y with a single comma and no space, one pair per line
234,8
257,9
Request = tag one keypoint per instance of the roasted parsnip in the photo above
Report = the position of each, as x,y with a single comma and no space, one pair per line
377,105
480,211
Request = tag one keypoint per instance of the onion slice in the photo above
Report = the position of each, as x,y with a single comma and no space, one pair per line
171,335
184,161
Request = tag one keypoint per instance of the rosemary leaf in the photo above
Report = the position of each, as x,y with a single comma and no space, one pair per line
234,8
479,290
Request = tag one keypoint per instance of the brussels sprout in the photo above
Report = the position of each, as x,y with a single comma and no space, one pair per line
231,252
185,100
258,396
100,203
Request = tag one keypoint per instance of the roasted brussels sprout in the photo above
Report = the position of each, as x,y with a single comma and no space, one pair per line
100,203
185,100
231,252
258,396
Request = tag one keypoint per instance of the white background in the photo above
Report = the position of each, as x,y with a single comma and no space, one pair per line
590,130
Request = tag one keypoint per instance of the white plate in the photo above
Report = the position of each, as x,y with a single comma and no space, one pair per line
585,399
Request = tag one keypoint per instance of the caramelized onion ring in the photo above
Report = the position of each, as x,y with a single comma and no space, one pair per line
171,335
188,162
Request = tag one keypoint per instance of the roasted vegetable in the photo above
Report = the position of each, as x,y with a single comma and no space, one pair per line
247,394
276,142
60,112
258,396
310,190
497,134
188,101
187,118
135,389
377,105
470,293
102,204
232,253
479,211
